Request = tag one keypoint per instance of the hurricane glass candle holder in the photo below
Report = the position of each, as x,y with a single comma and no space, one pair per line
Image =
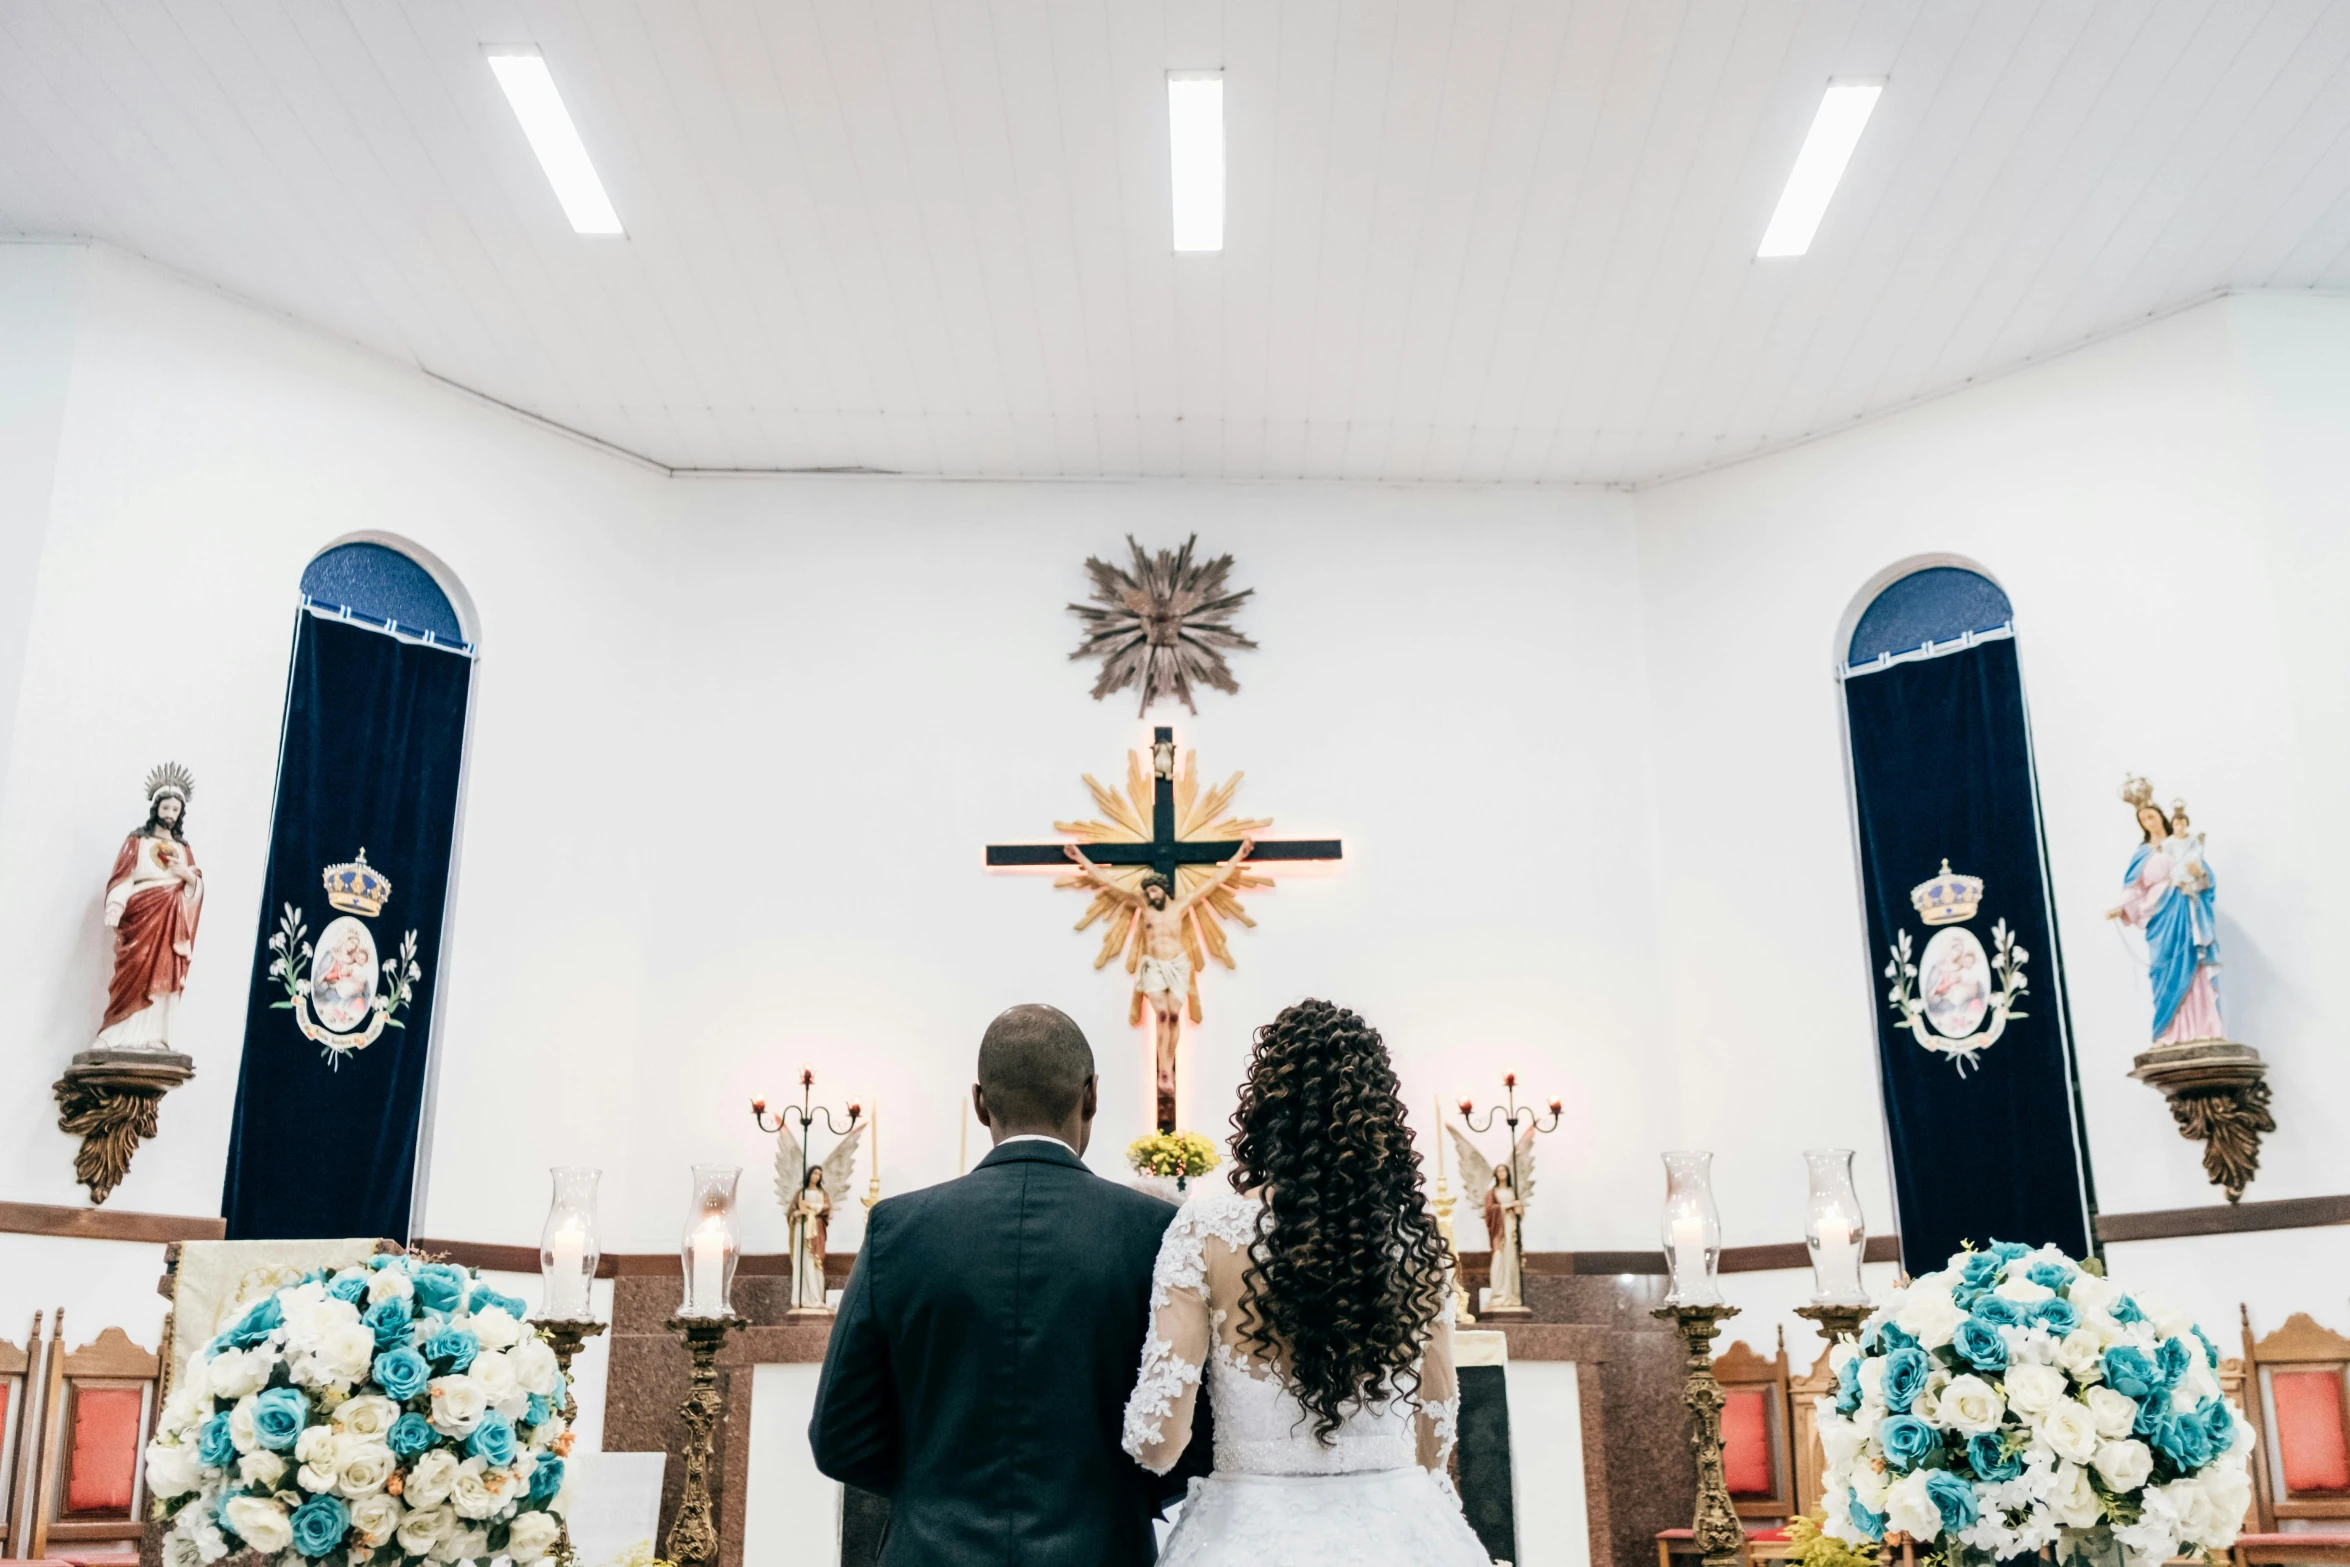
569,1246
712,1242
1833,1228
1692,1228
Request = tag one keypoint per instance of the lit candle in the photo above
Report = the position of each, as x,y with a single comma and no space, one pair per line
1839,1264
710,1267
1689,1254
568,1247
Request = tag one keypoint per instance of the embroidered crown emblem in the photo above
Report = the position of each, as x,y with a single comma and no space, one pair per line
1948,898
357,887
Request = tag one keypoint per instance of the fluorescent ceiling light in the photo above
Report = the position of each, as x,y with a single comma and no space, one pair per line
1835,131
1195,155
555,139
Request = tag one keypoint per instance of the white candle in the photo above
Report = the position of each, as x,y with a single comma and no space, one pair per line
1839,1267
710,1268
568,1248
1689,1254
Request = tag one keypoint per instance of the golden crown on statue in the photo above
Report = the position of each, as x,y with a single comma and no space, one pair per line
357,887
1948,898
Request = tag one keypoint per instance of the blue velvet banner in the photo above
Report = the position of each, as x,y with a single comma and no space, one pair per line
1981,1105
339,1023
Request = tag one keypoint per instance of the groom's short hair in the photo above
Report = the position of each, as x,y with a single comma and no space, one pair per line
1034,1063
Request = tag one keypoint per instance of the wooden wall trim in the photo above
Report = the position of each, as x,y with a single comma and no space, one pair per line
2242,1218
106,1224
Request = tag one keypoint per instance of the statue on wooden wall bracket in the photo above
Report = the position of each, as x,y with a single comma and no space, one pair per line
109,1096
1954,998
1161,625
2218,1089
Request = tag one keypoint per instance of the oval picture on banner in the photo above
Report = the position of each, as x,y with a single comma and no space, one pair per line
342,979
1954,979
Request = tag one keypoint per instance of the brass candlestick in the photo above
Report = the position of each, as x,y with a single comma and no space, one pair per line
1715,1530
694,1537
1836,1322
566,1336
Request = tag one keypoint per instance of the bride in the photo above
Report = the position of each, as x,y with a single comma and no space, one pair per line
1315,1296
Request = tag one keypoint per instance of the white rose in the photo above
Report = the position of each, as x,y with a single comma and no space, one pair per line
2082,1354
1839,1352
1870,1483
2090,1293
495,1327
1930,1316
429,1480
389,1284
2192,1503
495,1373
531,1536
2023,1291
1867,1418
1872,1381
2115,1413
2070,1432
425,1527
2199,1384
364,1468
2169,1321
2230,1494
370,1414
535,1367
261,1471
260,1523
1910,1510
2124,1465
2034,1389
458,1403
2074,1499
236,1372
1838,1439
190,1404
240,1426
318,1478
344,1353
194,1529
377,1518
473,1496
1970,1404
316,1445
462,1545
173,1470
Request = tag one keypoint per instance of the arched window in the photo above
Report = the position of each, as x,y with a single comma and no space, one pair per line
338,1028
1974,1046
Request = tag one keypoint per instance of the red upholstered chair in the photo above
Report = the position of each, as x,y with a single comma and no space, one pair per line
1756,1453
18,1379
2297,1392
99,1406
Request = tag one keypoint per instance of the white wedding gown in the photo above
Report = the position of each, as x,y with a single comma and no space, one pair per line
1380,1492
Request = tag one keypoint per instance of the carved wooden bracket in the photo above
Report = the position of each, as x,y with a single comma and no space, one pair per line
2218,1093
109,1099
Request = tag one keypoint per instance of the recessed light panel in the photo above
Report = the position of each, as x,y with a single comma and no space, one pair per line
1195,148
530,88
1835,131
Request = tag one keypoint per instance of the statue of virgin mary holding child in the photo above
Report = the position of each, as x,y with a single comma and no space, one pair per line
2167,892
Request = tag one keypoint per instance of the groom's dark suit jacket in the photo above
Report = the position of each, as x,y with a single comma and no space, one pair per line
980,1363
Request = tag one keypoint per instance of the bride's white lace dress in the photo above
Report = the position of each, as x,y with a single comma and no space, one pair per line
1379,1492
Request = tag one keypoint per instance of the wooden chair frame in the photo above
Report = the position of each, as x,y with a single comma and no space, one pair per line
2302,1344
1738,1369
1811,1459
20,1378
109,1361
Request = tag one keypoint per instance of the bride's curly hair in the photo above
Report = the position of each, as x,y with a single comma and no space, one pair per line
1349,1270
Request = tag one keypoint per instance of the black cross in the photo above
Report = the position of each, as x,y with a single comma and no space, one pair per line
1164,852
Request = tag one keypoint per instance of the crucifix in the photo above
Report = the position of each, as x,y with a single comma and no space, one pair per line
1165,870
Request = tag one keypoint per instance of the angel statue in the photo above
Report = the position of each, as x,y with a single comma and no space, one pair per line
1501,1192
805,1190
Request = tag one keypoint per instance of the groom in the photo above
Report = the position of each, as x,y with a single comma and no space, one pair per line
979,1366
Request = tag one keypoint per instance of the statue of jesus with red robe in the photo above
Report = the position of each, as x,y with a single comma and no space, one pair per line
153,899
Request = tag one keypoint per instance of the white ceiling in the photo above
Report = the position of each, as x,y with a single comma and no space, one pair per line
1468,239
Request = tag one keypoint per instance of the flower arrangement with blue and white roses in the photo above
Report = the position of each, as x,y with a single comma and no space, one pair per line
2014,1400
396,1412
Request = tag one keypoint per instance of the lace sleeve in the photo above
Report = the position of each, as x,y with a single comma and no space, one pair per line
1436,1423
1175,1347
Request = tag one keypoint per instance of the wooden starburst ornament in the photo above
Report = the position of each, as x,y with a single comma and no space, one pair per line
1162,624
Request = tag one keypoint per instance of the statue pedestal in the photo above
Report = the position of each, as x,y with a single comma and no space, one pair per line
109,1099
2218,1093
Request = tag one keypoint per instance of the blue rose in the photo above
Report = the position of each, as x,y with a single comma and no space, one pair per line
2058,1316
2149,1417
1979,1343
255,1325
457,1346
2219,1424
214,1450
492,1441
1848,1386
2128,1371
537,1412
279,1415
390,1318
2126,1310
401,1373
2210,1350
1980,1269
352,1289
1999,1311
2050,1274
2172,1359
411,1434
1990,1459
562,1388
2183,1440
1906,1439
1868,1523
484,1296
1905,1378
320,1524
1953,1498
1894,1337
545,1480
2009,1251
440,1286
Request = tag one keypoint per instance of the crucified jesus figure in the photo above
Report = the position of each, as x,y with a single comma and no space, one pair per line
1163,976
